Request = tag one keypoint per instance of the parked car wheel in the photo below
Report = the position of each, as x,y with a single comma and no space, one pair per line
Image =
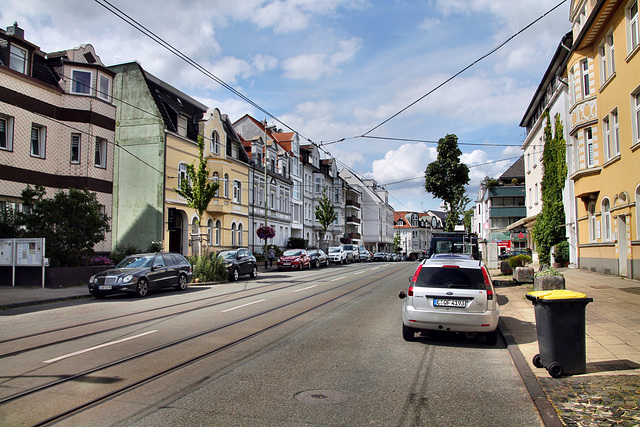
317,263
235,274
142,289
408,334
182,283
254,272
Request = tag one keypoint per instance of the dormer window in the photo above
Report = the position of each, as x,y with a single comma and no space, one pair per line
104,87
18,60
182,125
81,82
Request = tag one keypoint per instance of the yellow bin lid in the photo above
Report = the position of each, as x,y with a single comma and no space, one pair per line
556,294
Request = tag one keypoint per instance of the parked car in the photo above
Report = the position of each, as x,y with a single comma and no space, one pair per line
351,251
295,259
318,258
450,293
379,256
512,253
238,262
364,255
140,273
337,255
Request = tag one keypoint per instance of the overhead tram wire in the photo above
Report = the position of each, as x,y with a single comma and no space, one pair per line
138,26
464,69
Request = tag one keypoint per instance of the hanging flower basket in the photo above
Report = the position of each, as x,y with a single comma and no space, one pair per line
266,232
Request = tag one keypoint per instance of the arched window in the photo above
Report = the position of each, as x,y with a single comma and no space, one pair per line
606,220
233,234
215,143
218,232
591,213
210,232
240,229
216,178
226,185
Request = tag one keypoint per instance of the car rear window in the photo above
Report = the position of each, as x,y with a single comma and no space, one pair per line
449,277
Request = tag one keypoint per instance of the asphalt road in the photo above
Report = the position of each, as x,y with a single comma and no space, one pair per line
319,347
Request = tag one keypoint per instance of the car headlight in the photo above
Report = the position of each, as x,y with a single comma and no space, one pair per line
92,279
127,278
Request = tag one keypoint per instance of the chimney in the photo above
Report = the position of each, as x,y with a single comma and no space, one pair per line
15,31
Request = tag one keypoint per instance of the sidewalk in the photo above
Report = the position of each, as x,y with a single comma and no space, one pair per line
608,393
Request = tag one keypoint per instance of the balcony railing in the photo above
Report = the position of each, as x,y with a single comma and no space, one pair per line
353,203
353,219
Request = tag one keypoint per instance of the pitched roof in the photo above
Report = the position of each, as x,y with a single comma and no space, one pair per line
516,170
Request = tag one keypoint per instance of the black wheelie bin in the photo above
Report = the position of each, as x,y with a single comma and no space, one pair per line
560,325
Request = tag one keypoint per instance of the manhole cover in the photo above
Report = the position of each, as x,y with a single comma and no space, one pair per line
321,397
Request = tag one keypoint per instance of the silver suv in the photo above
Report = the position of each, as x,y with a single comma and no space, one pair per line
450,292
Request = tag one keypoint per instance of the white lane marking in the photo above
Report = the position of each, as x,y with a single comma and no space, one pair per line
375,268
359,272
243,305
304,289
98,346
338,278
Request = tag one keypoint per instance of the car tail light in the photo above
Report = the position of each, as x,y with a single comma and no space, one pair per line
417,273
410,291
450,266
487,284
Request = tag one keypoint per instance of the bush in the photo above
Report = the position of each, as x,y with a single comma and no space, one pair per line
154,247
208,267
549,271
561,253
519,261
123,251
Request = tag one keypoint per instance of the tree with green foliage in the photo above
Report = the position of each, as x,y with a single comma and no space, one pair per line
325,213
198,189
71,223
446,177
550,223
8,222
396,242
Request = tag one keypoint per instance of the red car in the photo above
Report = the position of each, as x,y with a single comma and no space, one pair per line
295,259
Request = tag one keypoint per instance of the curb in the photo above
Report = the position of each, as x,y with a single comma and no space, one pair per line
41,302
545,408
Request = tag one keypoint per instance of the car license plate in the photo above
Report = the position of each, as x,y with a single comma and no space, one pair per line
449,302
104,287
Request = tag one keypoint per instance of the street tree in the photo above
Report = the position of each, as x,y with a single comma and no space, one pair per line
549,229
446,177
198,189
325,213
71,222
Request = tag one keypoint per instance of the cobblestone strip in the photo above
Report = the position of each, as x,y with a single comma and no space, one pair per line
606,400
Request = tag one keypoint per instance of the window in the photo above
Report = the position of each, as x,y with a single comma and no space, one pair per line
591,214
210,235
218,232
101,153
216,178
215,143
6,133
226,185
636,118
230,149
237,192
182,125
615,134
572,87
75,148
607,137
104,87
240,228
588,138
18,59
38,141
607,59
233,234
606,220
632,27
584,70
182,174
81,82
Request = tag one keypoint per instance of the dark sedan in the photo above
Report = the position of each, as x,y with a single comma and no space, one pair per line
140,273
318,258
238,262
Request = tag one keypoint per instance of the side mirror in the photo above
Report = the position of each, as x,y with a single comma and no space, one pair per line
402,295
410,279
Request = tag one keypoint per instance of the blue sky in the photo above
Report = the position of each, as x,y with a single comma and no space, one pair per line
334,69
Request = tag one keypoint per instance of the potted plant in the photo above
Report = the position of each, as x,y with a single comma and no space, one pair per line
548,279
521,273
561,254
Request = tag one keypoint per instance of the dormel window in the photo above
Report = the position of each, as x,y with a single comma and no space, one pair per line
38,141
81,82
18,59
101,153
215,143
104,87
182,125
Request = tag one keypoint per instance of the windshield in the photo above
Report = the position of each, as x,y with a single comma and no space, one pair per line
228,254
333,250
136,262
292,252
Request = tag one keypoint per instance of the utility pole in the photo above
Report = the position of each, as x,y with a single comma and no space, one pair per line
266,186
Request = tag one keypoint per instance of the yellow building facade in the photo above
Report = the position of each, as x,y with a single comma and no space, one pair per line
225,223
603,74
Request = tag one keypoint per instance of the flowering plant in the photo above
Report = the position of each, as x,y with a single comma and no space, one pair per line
100,260
266,232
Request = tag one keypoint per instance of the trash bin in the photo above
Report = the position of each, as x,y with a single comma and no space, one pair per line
560,324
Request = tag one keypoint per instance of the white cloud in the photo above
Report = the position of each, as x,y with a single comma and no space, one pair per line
264,62
317,65
407,163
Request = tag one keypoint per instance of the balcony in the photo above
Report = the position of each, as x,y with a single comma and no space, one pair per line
353,203
353,220
356,236
220,205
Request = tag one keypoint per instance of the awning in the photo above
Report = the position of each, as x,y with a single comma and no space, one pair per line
522,222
